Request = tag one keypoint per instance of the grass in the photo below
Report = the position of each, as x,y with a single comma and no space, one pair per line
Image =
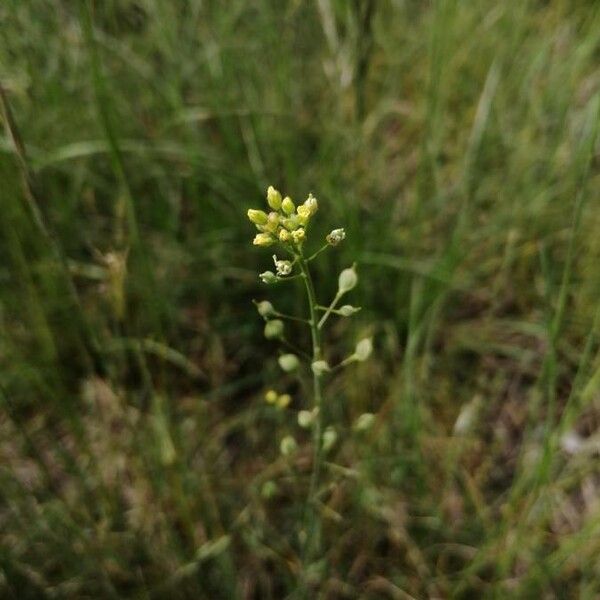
456,142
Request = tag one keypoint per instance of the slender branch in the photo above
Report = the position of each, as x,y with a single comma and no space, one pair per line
291,317
329,310
323,248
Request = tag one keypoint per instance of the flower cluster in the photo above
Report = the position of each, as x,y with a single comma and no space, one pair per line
284,223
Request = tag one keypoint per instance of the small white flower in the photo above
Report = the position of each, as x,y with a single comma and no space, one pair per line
283,267
335,237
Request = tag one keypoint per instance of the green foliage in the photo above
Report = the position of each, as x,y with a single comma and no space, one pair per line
455,142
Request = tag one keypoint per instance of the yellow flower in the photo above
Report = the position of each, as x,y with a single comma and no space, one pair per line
298,235
284,235
304,211
272,222
263,239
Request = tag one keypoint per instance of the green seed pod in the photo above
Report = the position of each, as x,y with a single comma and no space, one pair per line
265,308
268,277
347,310
347,280
329,439
274,329
288,362
363,350
306,418
269,490
288,446
364,422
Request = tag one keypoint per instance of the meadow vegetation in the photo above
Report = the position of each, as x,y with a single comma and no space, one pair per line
455,142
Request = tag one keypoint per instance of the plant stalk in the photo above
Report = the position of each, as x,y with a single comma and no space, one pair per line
312,521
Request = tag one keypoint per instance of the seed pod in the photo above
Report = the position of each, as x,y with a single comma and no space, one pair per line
274,329
363,350
347,280
288,362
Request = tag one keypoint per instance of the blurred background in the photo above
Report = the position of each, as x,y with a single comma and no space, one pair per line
456,142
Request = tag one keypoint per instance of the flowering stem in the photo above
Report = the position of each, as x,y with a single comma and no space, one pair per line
312,542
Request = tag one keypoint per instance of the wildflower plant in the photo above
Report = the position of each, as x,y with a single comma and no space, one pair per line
285,228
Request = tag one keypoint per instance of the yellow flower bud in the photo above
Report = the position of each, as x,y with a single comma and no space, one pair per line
298,235
284,235
258,217
273,198
263,239
303,211
288,206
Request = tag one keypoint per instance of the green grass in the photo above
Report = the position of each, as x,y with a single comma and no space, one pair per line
457,143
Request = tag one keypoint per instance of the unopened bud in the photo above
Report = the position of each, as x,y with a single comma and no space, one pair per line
273,198
263,239
258,217
288,206
348,310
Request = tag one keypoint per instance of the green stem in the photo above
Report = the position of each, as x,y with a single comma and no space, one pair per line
312,524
